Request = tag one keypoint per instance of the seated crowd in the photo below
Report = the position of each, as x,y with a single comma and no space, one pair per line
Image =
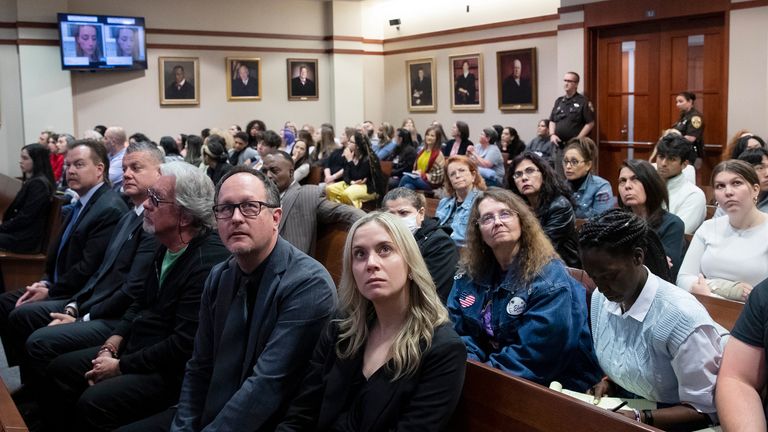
182,293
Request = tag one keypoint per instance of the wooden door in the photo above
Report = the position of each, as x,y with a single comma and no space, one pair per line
640,69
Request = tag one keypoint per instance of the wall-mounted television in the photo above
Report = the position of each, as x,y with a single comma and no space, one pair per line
102,42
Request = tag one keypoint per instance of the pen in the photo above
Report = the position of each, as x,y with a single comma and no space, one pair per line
619,407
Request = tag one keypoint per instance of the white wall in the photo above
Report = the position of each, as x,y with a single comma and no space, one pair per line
748,71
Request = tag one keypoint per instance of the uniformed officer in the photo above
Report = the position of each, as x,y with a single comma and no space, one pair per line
691,125
572,117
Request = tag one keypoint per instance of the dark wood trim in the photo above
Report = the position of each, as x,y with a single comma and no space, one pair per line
373,41
480,27
235,48
571,26
355,39
8,42
4,24
569,9
617,12
186,32
749,4
41,42
34,24
550,33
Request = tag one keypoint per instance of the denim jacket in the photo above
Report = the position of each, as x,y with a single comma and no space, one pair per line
593,197
460,217
540,329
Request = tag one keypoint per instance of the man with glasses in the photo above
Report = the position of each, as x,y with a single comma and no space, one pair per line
261,314
138,370
571,117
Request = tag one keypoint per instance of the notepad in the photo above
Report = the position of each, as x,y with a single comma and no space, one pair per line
606,402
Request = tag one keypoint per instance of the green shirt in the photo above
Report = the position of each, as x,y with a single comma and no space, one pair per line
169,259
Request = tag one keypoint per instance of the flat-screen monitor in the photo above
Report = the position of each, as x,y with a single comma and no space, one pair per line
102,42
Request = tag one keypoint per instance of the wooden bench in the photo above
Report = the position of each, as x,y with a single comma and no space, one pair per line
386,168
329,248
10,418
725,312
20,270
494,401
9,187
315,175
431,207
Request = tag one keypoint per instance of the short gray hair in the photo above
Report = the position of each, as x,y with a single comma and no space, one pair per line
193,192
146,147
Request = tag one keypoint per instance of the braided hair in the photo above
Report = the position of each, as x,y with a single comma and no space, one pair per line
619,232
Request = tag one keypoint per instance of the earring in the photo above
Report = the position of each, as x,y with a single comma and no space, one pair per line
410,276
754,199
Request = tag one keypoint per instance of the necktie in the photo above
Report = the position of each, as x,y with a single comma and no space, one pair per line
228,363
70,226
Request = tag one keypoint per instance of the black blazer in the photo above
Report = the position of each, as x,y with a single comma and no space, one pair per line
424,401
159,326
295,298
26,219
462,147
83,251
559,223
120,278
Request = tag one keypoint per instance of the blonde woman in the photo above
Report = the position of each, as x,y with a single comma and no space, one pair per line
391,360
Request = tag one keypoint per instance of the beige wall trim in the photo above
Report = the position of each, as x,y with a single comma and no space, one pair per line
480,27
183,32
551,33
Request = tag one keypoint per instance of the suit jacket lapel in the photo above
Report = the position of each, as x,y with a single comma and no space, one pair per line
289,198
270,281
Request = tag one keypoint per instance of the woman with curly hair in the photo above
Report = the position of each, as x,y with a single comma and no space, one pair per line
514,303
390,360
535,181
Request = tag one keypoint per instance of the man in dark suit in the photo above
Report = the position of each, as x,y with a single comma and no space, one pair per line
138,370
465,86
54,327
303,205
422,89
260,317
78,251
302,85
515,89
180,88
245,84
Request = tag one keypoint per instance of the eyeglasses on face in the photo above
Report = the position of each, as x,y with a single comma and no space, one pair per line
489,219
526,172
247,209
156,200
572,162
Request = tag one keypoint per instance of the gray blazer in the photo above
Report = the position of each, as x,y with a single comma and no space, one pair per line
303,206
294,300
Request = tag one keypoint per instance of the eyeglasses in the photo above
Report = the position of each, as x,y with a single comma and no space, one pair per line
527,172
490,219
571,81
572,162
247,209
156,200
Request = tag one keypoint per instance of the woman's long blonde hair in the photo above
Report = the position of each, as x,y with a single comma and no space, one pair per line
425,311
534,251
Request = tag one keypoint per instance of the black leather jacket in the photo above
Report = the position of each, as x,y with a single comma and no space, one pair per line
559,223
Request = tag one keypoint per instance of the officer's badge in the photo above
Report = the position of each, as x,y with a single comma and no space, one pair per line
696,121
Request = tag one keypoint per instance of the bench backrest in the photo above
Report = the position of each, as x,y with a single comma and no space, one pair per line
9,187
329,248
724,312
494,401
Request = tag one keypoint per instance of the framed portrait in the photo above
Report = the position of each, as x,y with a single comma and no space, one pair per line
517,80
243,78
466,82
421,86
179,80
302,79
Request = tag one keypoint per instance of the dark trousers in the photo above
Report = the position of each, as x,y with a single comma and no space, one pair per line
47,343
17,323
160,422
106,405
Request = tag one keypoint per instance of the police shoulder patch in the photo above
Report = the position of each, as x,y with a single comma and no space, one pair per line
696,121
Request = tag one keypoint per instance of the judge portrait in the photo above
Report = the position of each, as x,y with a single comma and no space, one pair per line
245,82
465,86
421,88
181,87
516,89
302,85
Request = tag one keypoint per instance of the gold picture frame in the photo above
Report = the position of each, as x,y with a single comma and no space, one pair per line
187,92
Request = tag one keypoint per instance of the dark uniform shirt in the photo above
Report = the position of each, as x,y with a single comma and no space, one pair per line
570,115
691,123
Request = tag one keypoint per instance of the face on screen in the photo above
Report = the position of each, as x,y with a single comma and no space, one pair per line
125,42
86,40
